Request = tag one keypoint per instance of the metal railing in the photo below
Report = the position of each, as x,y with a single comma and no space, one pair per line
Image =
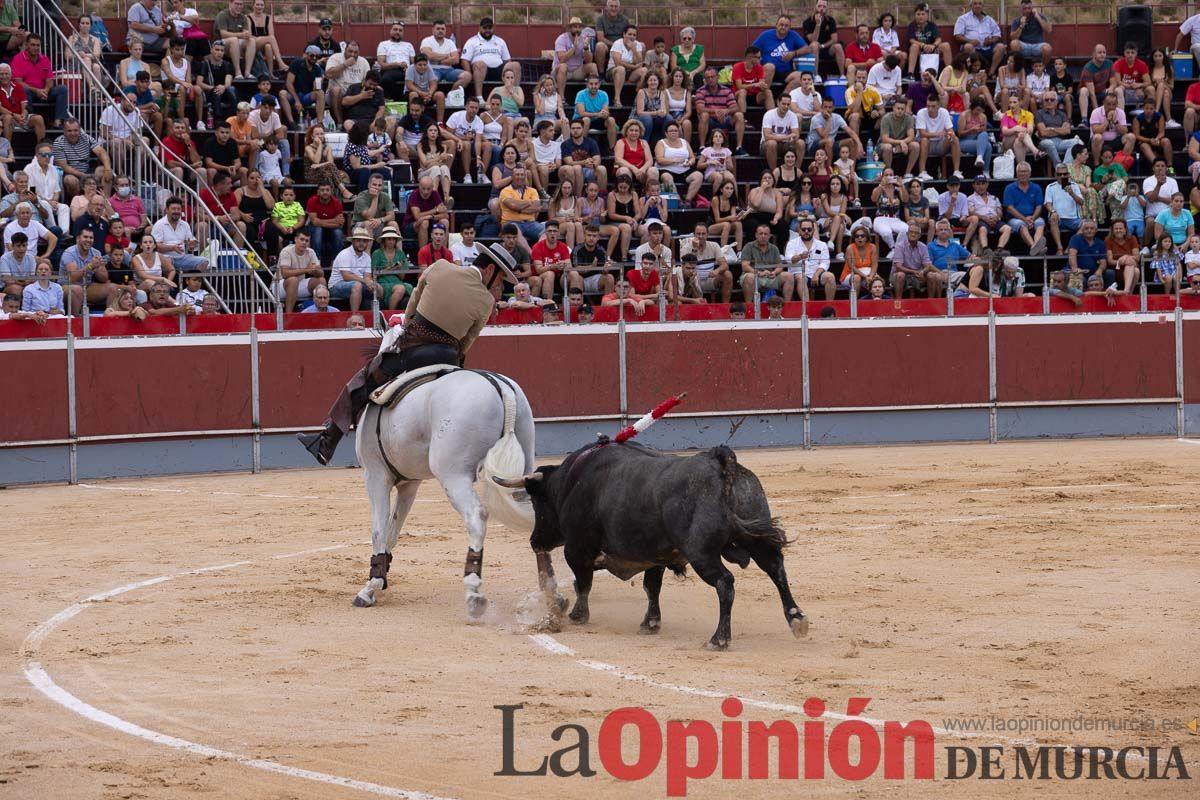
230,275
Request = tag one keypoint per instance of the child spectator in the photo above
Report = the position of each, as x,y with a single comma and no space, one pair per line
878,289
1133,209
1166,263
844,167
379,144
775,308
737,310
193,291
116,235
287,217
270,163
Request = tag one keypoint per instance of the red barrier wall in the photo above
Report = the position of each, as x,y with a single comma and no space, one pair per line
35,395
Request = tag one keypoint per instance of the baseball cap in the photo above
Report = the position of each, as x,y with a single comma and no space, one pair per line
575,21
312,50
325,22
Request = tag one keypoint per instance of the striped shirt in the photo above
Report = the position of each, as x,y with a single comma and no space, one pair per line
79,155
721,98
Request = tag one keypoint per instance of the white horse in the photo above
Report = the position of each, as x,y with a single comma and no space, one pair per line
460,428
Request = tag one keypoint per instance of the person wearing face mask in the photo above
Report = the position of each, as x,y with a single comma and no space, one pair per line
130,207
1063,201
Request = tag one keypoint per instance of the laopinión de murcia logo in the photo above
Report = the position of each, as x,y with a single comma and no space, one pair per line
631,744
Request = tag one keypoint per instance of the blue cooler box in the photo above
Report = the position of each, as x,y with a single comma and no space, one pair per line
1183,65
805,64
870,170
835,90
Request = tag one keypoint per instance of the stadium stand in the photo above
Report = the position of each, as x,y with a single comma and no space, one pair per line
802,160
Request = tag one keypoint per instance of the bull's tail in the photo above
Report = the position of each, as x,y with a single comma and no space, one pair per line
506,460
764,529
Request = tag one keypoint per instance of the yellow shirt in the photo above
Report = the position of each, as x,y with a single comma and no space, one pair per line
1023,118
870,98
510,193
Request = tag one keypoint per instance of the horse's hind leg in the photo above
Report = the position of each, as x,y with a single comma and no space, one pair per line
461,491
386,518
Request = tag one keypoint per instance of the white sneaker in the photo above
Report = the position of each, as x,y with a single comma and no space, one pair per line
957,174
1173,125
467,178
908,176
924,176
200,125
979,161
817,80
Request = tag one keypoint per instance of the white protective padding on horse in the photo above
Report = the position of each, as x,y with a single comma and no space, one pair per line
506,460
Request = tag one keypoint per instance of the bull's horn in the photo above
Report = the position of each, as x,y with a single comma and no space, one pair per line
509,483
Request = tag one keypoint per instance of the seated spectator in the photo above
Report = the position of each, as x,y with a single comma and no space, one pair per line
1175,221
717,160
130,67
808,261
1131,78
464,131
264,125
179,152
320,166
14,108
632,155
1016,129
343,70
193,292
411,128
17,266
215,79
984,217
654,212
919,92
952,204
520,206
437,249
300,274
1063,203
1053,129
130,207
287,219
82,42
178,84
624,214
677,163
937,137
222,203
821,31
1023,201
588,260
232,26
282,102
81,203
320,303
262,29
948,258
1150,132
717,106
1122,252
434,159
658,245
1110,128
650,108
888,200
711,267
547,159
684,285
924,38
1087,254
159,303
573,57
393,57
688,57
864,108
763,267
255,202
978,33
780,132
486,56
825,129
325,42
94,219
373,207
644,280
388,265
610,27
173,237
1010,82
974,139
749,81
806,101
151,268
351,277
911,264
444,57
301,82
326,219
44,180
885,78
862,262
421,80
523,299
425,208
73,151
123,304
898,134
862,54
360,165
148,25
117,126
886,37
1029,33
42,240
550,258
657,61
727,216
591,106
43,296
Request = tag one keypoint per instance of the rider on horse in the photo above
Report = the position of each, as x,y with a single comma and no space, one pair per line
444,316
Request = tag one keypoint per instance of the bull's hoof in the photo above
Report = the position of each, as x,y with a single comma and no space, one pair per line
362,602
579,617
476,605
561,603
800,627
650,627
717,644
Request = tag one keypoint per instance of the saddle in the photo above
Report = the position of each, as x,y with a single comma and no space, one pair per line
397,388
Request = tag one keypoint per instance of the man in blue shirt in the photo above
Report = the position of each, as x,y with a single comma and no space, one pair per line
84,269
43,295
948,257
1088,254
591,106
1023,203
779,47
1063,201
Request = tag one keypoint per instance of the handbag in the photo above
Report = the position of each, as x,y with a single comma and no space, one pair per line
1004,167
193,32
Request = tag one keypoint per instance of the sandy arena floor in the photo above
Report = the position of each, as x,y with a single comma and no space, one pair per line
1021,580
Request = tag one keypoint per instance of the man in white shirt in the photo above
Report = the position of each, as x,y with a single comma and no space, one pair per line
978,33
806,101
350,276
1158,190
392,57
547,157
780,131
44,180
1190,28
486,56
884,78
936,132
300,273
466,250
808,256
465,129
655,247
117,124
711,264
266,125
985,215
342,71
173,238
443,56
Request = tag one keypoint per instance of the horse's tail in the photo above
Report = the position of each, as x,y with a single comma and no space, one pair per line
506,460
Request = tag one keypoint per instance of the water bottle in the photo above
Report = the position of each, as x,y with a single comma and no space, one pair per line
870,149
209,120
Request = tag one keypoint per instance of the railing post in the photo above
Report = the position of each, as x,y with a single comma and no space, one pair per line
1181,412
853,301
72,421
623,377
993,436
804,376
255,416
1046,299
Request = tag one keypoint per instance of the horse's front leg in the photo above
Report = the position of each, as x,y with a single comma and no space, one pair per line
461,491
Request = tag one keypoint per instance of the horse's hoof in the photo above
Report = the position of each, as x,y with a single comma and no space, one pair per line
650,627
360,602
562,604
476,605
717,644
800,627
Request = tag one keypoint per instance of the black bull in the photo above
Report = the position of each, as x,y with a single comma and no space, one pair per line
629,509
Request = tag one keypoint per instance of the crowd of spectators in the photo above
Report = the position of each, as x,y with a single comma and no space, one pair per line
612,174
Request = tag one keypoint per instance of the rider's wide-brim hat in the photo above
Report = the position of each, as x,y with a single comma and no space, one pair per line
504,261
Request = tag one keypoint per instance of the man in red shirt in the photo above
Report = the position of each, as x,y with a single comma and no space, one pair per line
1191,106
14,107
749,81
644,282
550,257
1134,76
32,72
326,219
222,202
862,53
178,150
436,249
